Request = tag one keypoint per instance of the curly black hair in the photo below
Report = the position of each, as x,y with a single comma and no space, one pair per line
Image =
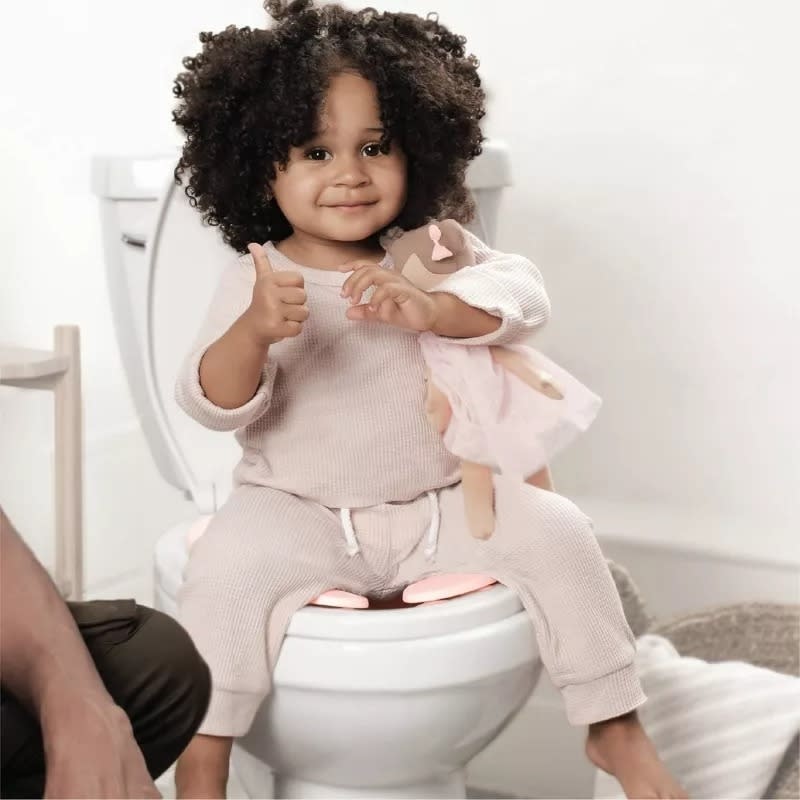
250,95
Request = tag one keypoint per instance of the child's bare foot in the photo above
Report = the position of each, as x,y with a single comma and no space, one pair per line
200,791
202,770
621,747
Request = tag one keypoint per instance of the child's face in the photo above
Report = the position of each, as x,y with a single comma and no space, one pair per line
339,186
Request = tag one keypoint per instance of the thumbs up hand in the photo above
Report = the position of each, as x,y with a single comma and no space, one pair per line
277,310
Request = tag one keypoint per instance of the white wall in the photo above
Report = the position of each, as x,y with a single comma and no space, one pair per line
656,182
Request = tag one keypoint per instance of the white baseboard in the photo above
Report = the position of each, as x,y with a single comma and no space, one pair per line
674,580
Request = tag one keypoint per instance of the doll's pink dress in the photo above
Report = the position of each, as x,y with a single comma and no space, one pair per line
498,420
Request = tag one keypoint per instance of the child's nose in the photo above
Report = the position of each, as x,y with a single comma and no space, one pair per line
351,172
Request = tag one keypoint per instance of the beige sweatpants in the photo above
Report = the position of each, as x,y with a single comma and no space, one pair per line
267,553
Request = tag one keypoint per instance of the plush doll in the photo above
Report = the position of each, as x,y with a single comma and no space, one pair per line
504,409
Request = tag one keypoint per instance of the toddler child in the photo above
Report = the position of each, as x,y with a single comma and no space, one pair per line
305,143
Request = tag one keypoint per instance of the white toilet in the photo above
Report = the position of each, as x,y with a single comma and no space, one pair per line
375,703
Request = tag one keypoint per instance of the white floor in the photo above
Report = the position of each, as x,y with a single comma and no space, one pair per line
166,785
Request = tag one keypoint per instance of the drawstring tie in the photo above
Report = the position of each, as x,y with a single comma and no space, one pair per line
349,533
433,529
431,541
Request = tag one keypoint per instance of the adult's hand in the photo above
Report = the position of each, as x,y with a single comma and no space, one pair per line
90,750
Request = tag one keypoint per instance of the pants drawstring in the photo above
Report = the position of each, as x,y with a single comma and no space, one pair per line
431,541
349,533
433,530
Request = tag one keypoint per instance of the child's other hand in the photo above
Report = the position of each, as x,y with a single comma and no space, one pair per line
396,300
277,310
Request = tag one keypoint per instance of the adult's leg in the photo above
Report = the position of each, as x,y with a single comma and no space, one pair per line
149,666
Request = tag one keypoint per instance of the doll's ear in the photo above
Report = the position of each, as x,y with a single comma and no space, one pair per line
440,252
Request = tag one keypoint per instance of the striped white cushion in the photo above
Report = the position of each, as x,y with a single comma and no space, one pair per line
722,728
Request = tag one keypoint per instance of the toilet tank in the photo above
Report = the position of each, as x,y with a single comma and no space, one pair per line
137,195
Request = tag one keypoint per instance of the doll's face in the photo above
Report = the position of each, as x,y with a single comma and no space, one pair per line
416,272
427,255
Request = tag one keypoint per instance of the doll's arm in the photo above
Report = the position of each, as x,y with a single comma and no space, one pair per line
537,379
476,479
477,484
543,479
437,406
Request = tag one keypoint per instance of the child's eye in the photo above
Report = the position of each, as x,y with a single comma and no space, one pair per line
317,154
372,149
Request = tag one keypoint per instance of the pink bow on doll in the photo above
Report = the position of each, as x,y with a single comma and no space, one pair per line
440,252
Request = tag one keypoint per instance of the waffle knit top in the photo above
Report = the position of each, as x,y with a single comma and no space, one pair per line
338,416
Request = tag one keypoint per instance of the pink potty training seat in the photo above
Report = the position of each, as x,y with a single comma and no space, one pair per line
442,587
337,598
428,590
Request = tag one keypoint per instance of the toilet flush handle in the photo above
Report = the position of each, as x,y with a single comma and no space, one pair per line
134,240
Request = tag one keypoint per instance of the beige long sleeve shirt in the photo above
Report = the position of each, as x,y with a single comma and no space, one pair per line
338,416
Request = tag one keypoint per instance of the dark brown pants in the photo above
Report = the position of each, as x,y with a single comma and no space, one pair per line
151,669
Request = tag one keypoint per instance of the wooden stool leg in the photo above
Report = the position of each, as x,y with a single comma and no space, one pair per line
69,465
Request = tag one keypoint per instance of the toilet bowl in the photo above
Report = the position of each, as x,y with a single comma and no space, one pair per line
379,703
366,703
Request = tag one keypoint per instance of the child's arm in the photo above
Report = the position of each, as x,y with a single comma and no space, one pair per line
459,320
506,286
220,331
231,369
226,383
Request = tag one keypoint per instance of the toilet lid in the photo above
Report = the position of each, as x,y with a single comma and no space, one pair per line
467,612
185,260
